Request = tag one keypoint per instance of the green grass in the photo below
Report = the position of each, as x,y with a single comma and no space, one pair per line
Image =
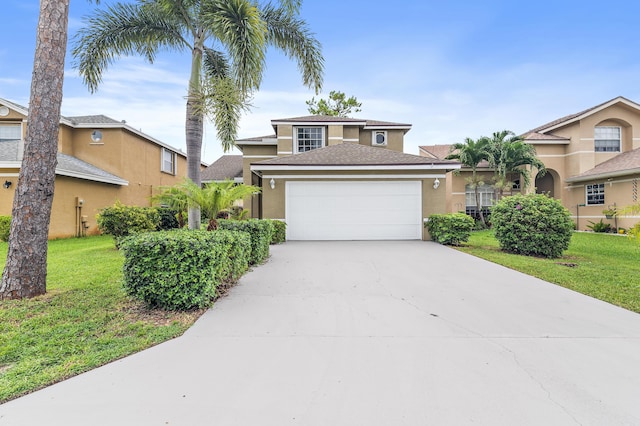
603,266
85,320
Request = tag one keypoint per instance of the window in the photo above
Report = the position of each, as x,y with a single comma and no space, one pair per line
379,138
595,194
309,138
168,161
486,193
10,132
607,139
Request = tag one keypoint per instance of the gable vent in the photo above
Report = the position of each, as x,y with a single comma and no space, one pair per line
379,138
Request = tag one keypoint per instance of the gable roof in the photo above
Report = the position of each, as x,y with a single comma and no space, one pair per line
327,119
623,164
561,122
346,156
96,121
436,151
67,165
224,168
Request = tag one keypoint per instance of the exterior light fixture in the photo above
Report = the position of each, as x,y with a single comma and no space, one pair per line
272,183
7,184
436,183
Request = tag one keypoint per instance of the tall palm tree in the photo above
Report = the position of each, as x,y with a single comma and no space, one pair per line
227,40
510,154
470,153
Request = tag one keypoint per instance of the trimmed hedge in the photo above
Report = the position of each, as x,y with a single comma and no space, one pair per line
533,225
180,270
168,219
260,231
5,227
120,220
279,232
451,228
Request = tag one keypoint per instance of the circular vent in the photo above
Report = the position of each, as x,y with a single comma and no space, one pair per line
4,111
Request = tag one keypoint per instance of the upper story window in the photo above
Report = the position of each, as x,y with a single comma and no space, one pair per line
595,194
379,138
10,132
309,138
607,139
168,161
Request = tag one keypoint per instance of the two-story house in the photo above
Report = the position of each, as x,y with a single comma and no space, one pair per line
100,161
592,160
333,178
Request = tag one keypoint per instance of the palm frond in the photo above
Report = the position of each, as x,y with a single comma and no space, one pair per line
291,34
216,64
237,25
123,29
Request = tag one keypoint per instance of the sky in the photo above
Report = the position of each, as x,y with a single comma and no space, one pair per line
453,69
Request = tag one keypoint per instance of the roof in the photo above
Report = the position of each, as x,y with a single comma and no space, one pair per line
436,151
224,168
67,165
353,154
622,164
96,121
327,119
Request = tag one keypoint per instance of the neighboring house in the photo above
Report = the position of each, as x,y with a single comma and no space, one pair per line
333,178
100,161
227,167
592,160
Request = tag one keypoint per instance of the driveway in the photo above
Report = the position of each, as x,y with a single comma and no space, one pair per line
371,333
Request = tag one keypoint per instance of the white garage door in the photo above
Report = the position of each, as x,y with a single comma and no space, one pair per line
330,210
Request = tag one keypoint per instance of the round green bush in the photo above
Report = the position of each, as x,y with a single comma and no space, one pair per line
533,225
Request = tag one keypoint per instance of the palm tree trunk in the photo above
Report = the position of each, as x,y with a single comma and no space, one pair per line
479,206
194,129
25,273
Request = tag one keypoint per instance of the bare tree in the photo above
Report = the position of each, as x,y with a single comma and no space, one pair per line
25,273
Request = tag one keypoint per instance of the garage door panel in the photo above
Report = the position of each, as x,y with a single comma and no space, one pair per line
338,210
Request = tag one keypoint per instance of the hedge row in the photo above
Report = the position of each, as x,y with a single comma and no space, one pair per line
260,231
180,270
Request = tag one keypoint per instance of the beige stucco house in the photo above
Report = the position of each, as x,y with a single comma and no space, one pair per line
592,160
100,161
333,178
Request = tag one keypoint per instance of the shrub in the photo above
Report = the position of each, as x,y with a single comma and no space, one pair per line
450,229
279,232
260,231
5,226
634,232
180,270
533,225
599,226
121,221
168,219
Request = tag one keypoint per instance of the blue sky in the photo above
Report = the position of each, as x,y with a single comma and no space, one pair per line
452,69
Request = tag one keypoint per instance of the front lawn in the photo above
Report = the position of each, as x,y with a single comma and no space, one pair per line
603,266
85,320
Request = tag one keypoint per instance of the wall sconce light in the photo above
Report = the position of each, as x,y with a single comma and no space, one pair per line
272,183
7,184
436,183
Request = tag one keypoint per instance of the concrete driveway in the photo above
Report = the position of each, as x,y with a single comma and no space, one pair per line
371,333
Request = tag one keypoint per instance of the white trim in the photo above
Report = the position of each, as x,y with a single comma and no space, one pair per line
259,156
378,127
10,164
288,138
351,140
257,143
459,193
318,123
9,174
94,178
364,177
591,112
285,152
604,175
571,153
636,139
336,138
548,141
265,167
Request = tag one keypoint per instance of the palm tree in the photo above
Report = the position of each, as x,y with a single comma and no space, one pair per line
212,198
175,199
470,153
508,155
227,40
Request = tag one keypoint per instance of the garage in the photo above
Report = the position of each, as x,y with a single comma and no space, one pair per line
354,210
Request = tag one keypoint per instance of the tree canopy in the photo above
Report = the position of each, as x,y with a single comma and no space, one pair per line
337,105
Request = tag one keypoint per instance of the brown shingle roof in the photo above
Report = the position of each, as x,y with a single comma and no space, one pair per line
256,138
332,119
225,167
436,151
534,136
622,164
353,154
93,119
